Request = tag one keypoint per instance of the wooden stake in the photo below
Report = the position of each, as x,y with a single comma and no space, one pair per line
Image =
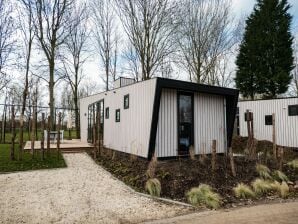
281,157
232,163
213,161
273,136
13,134
42,135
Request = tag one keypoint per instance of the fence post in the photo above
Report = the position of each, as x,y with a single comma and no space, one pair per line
58,132
42,135
273,136
13,134
232,163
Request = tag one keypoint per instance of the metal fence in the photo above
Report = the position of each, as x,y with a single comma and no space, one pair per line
67,121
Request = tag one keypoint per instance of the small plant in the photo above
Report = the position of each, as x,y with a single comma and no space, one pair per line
263,171
293,164
204,195
153,187
243,191
261,186
152,167
282,189
192,153
279,176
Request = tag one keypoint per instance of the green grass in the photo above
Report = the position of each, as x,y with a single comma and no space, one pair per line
153,186
27,137
7,165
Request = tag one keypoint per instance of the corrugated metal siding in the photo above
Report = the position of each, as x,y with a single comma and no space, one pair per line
126,81
286,126
166,136
132,133
209,117
209,123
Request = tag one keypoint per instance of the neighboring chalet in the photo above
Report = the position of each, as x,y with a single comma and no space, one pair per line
161,116
286,120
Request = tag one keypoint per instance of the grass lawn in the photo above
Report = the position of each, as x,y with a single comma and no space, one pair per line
6,165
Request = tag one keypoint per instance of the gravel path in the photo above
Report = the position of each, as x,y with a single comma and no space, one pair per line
81,193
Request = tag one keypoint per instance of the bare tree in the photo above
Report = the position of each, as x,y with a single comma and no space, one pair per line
7,41
105,34
26,26
150,27
75,49
52,19
132,63
204,36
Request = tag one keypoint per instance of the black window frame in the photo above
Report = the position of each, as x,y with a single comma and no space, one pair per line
290,112
268,120
116,111
124,100
107,113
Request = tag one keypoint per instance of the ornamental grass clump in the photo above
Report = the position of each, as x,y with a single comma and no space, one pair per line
243,191
263,171
153,187
261,186
282,189
204,195
279,176
293,164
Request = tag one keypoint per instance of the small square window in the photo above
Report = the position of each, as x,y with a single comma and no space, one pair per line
293,110
126,101
107,113
268,119
117,115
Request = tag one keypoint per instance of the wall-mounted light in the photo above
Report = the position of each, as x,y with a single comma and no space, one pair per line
85,114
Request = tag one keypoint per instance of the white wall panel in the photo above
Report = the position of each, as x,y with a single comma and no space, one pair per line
166,136
286,126
209,117
132,133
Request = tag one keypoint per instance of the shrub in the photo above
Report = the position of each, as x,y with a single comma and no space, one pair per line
153,187
243,191
282,189
279,176
261,186
204,195
293,163
263,171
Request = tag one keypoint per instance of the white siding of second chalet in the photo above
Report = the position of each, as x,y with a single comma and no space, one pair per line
286,126
209,124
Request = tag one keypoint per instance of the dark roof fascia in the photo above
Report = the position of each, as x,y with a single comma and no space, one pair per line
280,98
194,87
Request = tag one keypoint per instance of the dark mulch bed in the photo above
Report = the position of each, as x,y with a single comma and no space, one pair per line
177,176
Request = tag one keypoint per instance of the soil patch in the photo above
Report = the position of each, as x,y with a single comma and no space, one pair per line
177,176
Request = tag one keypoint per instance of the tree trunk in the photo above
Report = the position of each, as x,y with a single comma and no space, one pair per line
48,135
58,137
232,163
13,134
273,136
51,94
77,114
33,132
42,135
213,160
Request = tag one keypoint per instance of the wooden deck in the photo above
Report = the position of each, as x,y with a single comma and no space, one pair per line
74,145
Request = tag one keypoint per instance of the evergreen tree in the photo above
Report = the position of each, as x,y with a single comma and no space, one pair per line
265,59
